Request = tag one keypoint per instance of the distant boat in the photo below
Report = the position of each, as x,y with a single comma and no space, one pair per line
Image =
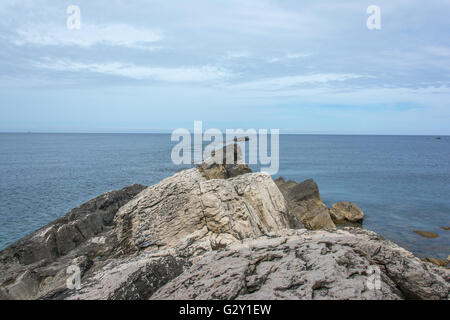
437,138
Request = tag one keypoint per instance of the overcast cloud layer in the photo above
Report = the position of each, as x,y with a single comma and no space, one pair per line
300,66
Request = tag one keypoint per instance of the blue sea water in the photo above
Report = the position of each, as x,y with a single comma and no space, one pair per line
402,183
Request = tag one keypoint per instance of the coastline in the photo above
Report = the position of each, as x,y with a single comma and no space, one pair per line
208,214
399,182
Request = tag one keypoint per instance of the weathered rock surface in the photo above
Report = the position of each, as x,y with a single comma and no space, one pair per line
305,204
214,211
39,260
197,237
178,220
126,278
287,264
343,212
310,265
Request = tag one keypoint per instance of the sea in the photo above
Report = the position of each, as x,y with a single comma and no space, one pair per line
402,183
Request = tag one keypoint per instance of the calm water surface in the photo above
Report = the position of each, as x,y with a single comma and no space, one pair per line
401,182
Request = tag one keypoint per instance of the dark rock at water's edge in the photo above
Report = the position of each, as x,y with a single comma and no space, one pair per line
426,234
76,238
303,191
202,235
305,204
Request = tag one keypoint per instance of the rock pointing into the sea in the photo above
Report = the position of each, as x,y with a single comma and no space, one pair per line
197,237
346,212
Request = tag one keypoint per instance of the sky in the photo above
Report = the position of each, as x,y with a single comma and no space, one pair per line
156,65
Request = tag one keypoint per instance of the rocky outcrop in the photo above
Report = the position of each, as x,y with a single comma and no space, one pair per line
193,236
343,212
342,264
305,204
349,263
126,278
216,212
30,264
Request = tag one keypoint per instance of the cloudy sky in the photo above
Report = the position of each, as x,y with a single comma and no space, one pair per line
300,66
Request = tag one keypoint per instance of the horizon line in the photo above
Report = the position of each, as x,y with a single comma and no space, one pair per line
167,132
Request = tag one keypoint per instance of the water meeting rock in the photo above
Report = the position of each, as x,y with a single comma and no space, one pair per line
193,236
346,212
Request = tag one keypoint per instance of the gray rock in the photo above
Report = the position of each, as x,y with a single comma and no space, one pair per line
47,252
215,211
310,265
24,287
135,278
287,264
303,191
190,237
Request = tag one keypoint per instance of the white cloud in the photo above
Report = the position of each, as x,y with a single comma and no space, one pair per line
291,81
237,54
273,60
182,74
297,55
87,36
290,56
